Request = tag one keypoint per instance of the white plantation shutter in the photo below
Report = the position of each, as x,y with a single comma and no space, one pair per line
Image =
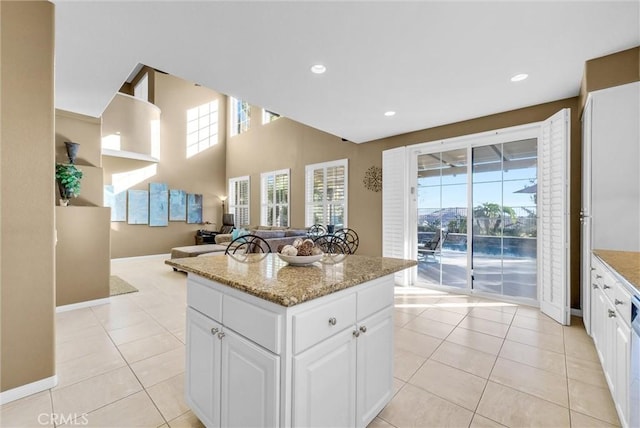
274,198
553,220
238,201
395,196
320,180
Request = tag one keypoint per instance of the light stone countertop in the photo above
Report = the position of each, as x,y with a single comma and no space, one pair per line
270,278
626,263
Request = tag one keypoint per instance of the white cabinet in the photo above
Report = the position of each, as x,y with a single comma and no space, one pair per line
227,374
324,363
324,388
353,369
375,365
612,334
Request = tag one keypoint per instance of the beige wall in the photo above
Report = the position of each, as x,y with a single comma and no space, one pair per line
82,251
611,70
27,202
203,173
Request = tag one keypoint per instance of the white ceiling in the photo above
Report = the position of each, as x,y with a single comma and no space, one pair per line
433,62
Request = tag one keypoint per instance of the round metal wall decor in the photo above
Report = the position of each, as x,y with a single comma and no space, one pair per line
373,179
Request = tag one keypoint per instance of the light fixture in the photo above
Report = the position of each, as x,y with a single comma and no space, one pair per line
519,77
318,68
389,113
222,198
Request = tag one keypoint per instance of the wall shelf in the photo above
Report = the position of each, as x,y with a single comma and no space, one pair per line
129,155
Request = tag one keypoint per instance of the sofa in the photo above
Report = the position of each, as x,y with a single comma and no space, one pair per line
273,235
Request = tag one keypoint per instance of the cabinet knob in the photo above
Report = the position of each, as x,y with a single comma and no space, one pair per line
356,333
595,285
598,276
618,302
221,335
363,328
214,330
605,286
332,321
612,314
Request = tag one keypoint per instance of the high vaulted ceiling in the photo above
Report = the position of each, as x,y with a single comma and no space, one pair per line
432,62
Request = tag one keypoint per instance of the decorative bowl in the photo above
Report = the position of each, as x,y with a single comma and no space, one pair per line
300,260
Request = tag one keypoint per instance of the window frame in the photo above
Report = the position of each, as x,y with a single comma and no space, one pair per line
309,203
236,126
232,206
269,116
266,205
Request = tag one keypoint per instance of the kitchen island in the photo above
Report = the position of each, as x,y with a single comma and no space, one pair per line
275,345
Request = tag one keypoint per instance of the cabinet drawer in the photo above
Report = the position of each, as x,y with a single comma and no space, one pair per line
378,296
204,299
608,284
324,321
254,323
622,302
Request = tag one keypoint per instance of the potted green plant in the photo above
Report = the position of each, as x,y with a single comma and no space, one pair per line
68,177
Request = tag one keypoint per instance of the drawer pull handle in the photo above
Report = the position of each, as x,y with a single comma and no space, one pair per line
221,335
618,302
595,285
356,333
214,330
332,321
363,328
605,286
612,314
598,276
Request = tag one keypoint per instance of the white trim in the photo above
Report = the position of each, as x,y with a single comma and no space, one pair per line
80,305
149,256
503,135
128,155
28,389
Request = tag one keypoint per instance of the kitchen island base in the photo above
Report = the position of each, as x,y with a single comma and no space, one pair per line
324,362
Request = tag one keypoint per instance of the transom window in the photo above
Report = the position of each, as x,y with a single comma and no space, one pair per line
269,116
202,127
239,199
326,193
240,116
275,198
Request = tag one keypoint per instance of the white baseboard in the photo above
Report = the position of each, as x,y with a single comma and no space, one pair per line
80,305
150,256
576,312
28,389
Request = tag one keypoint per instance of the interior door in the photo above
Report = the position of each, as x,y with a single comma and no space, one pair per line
553,220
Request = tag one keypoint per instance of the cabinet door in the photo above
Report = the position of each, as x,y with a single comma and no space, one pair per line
324,383
375,365
598,320
250,384
622,350
202,376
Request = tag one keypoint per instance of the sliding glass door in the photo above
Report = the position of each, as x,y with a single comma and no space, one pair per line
442,218
505,218
477,217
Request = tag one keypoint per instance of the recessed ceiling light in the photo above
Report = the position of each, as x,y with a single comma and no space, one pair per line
519,77
389,113
318,69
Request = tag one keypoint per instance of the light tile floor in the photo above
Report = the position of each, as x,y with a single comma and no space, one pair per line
460,361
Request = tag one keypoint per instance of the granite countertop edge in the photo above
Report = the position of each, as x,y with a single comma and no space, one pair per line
625,263
291,300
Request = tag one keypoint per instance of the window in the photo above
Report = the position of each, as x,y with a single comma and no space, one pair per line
269,116
202,127
240,116
326,193
239,197
275,198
